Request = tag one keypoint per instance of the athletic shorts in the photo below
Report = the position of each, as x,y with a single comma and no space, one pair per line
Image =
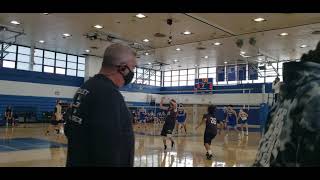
244,121
181,121
54,122
208,136
232,122
167,129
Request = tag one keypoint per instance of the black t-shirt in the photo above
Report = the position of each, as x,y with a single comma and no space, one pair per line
100,130
211,123
171,117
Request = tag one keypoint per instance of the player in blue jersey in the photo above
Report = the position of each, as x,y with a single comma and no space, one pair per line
181,119
232,118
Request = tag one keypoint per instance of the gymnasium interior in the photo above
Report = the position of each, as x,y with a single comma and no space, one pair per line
198,59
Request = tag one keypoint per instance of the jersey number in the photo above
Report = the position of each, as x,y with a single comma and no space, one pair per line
213,121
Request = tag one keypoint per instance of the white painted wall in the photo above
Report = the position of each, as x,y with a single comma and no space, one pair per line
36,89
236,99
93,65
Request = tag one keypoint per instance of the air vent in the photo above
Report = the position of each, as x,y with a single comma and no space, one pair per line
160,35
94,47
316,32
201,48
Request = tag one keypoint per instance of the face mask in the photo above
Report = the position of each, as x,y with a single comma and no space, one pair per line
128,78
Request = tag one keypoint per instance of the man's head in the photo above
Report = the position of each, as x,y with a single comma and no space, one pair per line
313,55
277,79
180,107
118,64
212,109
230,107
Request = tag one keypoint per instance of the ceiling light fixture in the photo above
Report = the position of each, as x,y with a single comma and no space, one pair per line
178,49
41,41
87,50
284,34
146,54
186,33
242,52
15,22
146,40
217,43
140,16
176,60
303,46
149,63
46,13
226,62
66,35
259,19
98,26
206,57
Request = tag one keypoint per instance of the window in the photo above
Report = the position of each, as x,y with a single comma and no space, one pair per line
191,77
61,57
38,52
22,66
182,83
166,84
37,60
71,65
49,54
37,68
71,72
12,48
72,58
167,78
23,58
80,74
9,56
61,64
19,57
9,64
146,77
24,50
81,66
48,69
60,71
81,60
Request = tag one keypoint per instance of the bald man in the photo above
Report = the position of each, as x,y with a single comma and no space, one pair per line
100,129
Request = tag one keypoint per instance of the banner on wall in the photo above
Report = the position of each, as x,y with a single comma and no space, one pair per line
253,71
242,72
231,73
220,73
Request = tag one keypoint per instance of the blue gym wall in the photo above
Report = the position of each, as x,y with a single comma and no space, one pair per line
43,104
39,104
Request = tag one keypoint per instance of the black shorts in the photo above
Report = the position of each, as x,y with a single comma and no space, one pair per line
167,129
208,136
54,122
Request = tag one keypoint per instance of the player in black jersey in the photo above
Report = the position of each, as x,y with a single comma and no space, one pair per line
170,121
211,129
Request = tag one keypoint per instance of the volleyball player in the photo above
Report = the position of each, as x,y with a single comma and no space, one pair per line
169,123
232,119
181,118
211,129
244,121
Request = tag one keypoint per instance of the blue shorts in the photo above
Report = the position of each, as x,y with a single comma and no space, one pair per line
181,121
232,121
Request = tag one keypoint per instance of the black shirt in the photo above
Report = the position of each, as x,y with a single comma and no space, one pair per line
211,123
171,117
100,131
